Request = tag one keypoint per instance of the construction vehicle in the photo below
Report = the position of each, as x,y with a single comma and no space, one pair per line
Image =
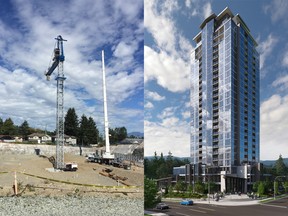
71,166
95,158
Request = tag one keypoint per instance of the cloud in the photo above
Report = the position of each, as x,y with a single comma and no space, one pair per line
168,112
265,49
123,49
277,9
154,96
274,127
169,72
26,44
148,105
281,83
285,59
207,10
167,136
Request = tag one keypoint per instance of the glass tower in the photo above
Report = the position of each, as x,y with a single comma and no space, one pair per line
224,95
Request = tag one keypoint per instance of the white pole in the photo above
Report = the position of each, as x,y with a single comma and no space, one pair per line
105,107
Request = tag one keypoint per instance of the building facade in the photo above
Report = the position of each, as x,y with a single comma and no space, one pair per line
225,103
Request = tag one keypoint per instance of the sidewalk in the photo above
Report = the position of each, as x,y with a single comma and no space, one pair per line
228,200
231,200
154,213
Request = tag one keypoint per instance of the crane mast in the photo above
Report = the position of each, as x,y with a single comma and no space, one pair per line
58,61
107,156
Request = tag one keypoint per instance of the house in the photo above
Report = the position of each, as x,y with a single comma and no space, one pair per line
68,140
18,138
39,138
6,138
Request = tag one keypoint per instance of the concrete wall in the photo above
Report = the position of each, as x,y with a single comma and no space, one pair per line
47,150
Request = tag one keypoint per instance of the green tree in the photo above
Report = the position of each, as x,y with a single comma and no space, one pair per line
121,133
1,125
261,189
92,131
255,186
180,186
281,169
24,130
71,124
8,127
199,187
286,186
118,134
150,192
84,125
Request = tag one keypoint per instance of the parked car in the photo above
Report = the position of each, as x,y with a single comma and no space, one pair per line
162,206
186,202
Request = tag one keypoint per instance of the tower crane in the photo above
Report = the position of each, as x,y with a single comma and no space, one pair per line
58,61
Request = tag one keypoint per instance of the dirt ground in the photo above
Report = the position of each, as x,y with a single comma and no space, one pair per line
87,173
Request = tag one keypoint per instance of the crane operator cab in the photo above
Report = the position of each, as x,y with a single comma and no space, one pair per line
56,54
56,59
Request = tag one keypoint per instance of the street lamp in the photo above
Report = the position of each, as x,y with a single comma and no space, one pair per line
275,184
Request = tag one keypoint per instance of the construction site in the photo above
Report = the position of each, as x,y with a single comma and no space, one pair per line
60,170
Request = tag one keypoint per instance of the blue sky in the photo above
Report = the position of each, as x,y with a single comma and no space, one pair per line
169,27
27,32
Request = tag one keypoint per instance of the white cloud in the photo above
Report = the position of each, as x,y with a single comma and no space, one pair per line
148,105
169,72
168,112
265,49
274,127
281,83
285,59
123,49
169,136
27,43
186,115
278,10
154,96
207,10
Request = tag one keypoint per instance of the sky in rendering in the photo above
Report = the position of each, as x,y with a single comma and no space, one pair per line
27,32
169,27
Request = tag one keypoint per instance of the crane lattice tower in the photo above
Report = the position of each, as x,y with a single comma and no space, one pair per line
58,61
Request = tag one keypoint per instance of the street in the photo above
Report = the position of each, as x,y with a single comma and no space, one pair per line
275,208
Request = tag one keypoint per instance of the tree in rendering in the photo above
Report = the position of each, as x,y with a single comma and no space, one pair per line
280,167
150,192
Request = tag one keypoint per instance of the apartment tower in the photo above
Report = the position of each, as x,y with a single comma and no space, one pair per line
225,104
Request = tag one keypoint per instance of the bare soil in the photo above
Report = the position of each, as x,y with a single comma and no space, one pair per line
87,173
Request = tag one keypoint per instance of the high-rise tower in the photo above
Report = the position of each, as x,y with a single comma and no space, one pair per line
225,103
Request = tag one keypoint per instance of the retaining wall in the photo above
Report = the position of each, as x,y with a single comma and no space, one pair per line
47,150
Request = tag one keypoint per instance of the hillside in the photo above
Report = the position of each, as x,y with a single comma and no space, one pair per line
136,134
272,162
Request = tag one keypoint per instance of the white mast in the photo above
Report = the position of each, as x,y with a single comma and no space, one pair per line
107,154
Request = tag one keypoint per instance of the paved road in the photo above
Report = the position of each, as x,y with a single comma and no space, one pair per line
216,210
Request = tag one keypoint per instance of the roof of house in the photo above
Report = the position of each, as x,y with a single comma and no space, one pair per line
38,135
6,137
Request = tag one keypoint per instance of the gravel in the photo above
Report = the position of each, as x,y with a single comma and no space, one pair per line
54,206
